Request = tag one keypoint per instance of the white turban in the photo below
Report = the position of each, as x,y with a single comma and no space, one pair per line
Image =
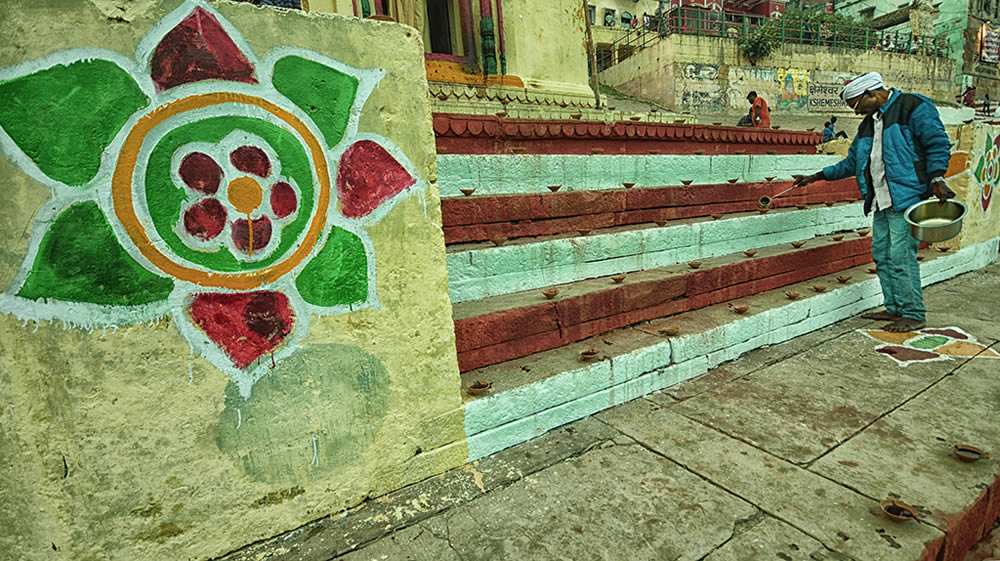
861,84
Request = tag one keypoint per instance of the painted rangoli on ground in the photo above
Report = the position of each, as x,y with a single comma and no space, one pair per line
928,344
200,182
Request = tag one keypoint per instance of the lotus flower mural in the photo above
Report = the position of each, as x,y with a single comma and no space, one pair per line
200,182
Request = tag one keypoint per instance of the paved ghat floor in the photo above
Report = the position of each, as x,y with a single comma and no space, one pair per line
783,454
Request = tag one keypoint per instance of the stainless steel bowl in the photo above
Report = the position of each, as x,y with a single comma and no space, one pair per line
931,221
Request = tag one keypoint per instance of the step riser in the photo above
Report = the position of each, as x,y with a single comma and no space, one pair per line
502,336
532,174
495,271
481,219
498,421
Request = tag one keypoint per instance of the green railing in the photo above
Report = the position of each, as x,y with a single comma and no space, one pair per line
701,22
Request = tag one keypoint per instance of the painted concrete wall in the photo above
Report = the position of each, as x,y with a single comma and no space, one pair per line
546,45
974,175
177,382
709,74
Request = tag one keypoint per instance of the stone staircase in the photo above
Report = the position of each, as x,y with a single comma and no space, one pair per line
631,276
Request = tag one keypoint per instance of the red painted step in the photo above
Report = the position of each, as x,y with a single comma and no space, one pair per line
498,329
481,218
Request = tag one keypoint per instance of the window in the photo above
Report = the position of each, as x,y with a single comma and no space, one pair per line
592,14
867,13
439,19
626,20
609,17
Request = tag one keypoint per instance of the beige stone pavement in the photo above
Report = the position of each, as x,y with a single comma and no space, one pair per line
783,454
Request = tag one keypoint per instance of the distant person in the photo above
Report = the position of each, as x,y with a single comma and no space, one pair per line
830,132
760,116
986,103
899,157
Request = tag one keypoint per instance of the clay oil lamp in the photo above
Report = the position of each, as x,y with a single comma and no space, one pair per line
442,96
740,152
504,101
501,114
775,127
687,181
583,232
478,387
611,108
801,207
819,288
920,258
739,309
563,105
618,279
750,252
468,192
798,244
699,152
661,223
771,152
576,115
719,124
733,180
442,150
597,150
943,249
517,150
842,279
669,330
898,510
653,110
694,264
792,295
872,270
628,184
811,129
763,210
968,453
830,203
654,152
716,216
838,237
550,293
635,118
678,121
554,188
499,241
589,354
863,232
770,179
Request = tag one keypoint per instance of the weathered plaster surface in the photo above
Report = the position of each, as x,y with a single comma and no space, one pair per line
115,441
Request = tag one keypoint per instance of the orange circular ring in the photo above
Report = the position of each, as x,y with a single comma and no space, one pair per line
121,193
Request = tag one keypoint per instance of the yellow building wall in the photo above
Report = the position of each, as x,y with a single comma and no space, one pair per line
128,431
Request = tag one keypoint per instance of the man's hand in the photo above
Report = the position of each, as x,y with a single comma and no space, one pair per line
941,190
803,180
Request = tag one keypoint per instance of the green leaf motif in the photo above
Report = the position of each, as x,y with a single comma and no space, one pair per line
338,274
64,117
80,260
325,94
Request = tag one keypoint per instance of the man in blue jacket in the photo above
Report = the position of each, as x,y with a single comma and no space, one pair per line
899,157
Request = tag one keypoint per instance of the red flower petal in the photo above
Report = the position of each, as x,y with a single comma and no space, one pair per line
369,175
244,325
250,159
198,49
205,220
200,172
261,234
283,201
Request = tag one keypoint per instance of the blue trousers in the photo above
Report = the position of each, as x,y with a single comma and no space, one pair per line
894,250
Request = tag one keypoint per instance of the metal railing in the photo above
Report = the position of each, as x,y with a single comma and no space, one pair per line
701,22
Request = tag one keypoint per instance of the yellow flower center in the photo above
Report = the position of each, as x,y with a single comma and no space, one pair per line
245,194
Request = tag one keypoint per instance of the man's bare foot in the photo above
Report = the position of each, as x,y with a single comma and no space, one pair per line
903,325
881,316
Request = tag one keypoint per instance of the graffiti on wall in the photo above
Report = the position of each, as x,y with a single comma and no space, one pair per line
694,71
794,88
199,181
988,170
